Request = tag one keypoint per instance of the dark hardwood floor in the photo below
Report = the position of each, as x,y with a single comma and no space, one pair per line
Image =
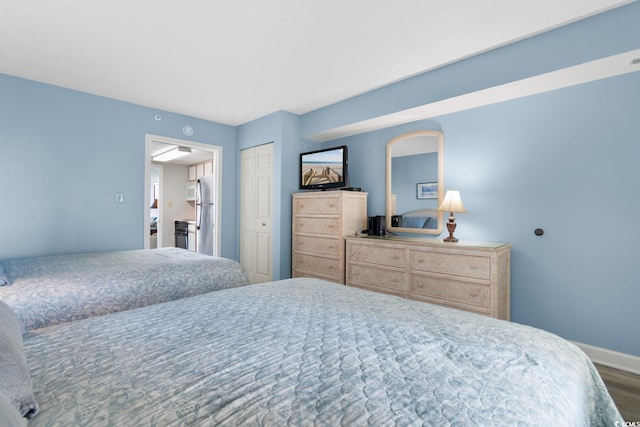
624,388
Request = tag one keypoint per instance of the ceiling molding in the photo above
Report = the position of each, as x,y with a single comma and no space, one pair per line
599,69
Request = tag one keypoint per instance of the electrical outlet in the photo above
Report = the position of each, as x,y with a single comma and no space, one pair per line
119,197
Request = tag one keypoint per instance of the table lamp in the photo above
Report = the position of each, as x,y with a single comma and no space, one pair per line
452,203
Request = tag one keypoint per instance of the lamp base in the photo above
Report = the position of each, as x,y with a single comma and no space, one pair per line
451,227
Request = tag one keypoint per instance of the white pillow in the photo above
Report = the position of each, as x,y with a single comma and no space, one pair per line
15,381
9,415
4,280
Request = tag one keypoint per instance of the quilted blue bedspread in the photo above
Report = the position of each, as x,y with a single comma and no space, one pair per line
47,290
306,352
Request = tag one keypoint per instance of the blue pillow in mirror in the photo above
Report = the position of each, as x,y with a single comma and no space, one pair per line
431,223
413,221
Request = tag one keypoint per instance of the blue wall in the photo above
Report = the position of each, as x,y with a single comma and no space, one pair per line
564,161
64,155
563,172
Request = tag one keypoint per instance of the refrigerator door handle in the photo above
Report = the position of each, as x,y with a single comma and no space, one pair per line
198,204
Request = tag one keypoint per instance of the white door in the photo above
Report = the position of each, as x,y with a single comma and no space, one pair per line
256,189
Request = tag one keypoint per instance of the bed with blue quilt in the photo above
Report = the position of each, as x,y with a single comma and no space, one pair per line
308,352
46,290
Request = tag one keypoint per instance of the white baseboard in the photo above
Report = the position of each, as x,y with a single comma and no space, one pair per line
614,359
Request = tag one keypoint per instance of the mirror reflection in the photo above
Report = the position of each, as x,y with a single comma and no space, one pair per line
415,186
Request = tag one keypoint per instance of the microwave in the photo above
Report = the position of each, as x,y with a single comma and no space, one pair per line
191,191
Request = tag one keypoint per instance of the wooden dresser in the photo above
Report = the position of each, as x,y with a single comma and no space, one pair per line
472,276
320,221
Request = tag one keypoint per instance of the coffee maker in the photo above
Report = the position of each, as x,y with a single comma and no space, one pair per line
377,225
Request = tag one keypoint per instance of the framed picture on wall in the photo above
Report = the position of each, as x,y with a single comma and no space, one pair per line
427,190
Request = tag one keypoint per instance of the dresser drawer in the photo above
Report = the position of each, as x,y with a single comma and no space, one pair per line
366,276
316,206
317,245
467,276
381,255
328,226
323,267
449,291
477,267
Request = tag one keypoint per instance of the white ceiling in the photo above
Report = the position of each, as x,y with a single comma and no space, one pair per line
235,61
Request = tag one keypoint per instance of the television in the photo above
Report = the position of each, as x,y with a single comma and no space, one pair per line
324,169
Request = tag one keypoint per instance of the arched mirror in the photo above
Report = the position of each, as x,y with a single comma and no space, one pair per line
415,182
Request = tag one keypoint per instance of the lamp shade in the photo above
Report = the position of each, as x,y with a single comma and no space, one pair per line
452,202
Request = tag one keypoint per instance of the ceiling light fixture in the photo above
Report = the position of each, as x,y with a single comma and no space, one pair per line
172,154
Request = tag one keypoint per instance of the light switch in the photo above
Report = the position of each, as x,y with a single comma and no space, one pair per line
170,204
119,197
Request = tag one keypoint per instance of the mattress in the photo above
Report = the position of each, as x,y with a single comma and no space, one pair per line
48,290
309,352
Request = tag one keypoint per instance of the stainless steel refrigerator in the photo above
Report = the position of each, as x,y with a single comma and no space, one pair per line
205,215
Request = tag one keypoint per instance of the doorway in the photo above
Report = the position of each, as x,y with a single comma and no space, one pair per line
172,187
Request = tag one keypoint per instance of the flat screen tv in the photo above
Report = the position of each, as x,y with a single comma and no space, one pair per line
323,169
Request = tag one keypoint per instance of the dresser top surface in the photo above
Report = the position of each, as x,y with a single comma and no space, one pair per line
329,193
428,241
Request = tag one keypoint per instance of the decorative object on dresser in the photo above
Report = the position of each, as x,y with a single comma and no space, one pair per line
472,276
320,221
452,203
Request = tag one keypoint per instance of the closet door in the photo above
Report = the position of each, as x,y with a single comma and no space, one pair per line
256,189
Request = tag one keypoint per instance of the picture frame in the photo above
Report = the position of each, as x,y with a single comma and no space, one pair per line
427,190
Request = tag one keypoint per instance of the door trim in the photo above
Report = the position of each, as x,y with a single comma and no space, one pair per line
216,152
160,231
